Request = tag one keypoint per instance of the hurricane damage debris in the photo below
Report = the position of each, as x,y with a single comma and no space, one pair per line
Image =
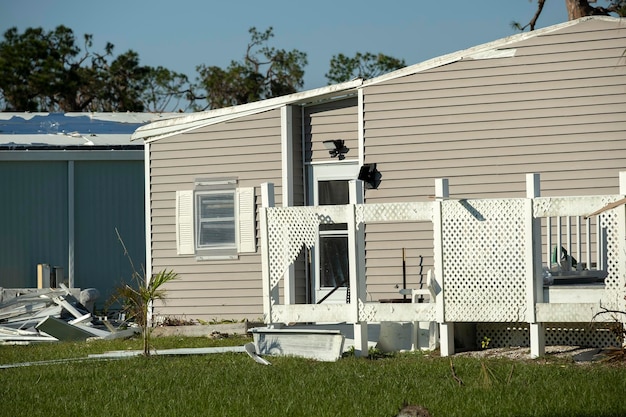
54,314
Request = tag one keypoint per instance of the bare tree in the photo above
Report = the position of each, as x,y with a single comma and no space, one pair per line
577,9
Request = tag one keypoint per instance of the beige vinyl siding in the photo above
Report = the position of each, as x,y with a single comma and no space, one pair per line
557,108
327,121
299,196
299,188
384,244
249,149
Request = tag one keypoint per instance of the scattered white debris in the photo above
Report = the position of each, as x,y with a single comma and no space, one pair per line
251,351
53,314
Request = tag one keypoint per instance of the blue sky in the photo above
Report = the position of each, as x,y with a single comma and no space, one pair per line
181,34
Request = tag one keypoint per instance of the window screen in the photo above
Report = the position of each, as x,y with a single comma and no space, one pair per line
215,219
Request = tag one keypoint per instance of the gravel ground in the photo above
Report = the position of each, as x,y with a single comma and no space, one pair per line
576,353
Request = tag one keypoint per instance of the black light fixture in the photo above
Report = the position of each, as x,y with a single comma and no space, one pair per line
336,148
370,176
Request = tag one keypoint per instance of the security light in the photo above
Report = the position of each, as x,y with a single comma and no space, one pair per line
370,176
336,148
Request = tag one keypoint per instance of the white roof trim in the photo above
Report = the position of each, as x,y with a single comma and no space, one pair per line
165,128
492,54
479,49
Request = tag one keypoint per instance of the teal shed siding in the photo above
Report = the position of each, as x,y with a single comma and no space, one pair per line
33,220
108,196
35,216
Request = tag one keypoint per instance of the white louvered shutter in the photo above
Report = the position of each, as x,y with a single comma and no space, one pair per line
184,223
246,220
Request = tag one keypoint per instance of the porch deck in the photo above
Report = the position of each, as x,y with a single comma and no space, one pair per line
498,263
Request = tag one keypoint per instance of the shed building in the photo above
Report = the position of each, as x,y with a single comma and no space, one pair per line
70,181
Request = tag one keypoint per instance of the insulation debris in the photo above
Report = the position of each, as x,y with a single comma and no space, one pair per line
54,314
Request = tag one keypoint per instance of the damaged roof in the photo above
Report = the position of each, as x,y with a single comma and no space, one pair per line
72,130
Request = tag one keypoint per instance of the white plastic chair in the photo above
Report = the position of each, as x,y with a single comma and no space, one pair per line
432,328
428,289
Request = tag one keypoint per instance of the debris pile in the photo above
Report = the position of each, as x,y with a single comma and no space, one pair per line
53,314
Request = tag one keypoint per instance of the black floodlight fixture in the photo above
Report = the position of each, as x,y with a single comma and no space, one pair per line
336,148
370,176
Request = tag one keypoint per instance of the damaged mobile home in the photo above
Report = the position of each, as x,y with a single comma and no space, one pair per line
550,101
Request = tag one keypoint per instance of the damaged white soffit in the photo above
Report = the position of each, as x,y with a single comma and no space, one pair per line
493,54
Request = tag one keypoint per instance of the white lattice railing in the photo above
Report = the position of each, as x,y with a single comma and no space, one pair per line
490,259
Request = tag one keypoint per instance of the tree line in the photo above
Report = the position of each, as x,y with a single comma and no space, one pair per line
50,71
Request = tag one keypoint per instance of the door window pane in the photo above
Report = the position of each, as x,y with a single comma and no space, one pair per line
333,192
334,261
331,257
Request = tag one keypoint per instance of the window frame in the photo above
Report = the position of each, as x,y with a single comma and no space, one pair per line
203,186
200,221
189,224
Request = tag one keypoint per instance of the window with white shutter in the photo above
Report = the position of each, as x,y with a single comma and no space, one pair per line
216,220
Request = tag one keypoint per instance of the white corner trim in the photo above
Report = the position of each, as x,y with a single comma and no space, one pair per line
361,126
148,210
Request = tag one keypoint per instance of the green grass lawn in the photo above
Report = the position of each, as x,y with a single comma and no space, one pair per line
232,384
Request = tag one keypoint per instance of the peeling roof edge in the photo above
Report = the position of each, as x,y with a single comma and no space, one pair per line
492,54
479,49
165,128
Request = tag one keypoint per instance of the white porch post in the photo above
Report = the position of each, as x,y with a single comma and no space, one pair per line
446,330
358,286
270,295
537,334
287,157
534,271
622,252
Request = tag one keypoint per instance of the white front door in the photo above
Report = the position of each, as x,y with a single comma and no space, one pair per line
330,185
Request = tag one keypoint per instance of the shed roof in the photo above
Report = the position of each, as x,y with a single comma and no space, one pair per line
495,49
72,130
